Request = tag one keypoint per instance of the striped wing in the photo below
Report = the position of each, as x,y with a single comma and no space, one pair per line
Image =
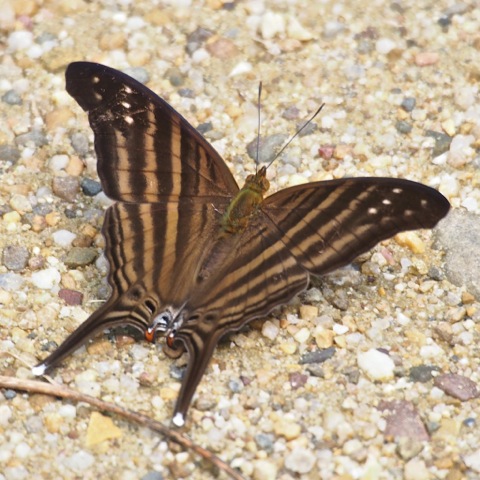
154,252
325,225
146,151
303,230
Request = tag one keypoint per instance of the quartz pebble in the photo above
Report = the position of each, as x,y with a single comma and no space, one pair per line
46,279
300,460
376,365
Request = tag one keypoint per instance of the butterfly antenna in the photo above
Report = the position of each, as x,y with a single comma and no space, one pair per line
258,126
296,134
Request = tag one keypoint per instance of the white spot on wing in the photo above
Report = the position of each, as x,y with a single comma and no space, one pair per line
127,89
95,79
408,213
128,119
424,203
397,190
39,370
178,420
372,211
386,201
126,105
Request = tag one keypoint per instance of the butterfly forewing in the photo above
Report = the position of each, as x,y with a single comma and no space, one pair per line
327,224
134,128
175,254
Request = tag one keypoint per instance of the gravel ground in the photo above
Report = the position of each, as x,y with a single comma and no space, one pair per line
391,391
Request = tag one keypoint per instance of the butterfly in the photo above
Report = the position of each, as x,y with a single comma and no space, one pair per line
192,256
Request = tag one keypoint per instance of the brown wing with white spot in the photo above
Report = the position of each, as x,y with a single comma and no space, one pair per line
147,152
325,225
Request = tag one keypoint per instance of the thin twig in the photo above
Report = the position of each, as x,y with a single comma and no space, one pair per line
57,390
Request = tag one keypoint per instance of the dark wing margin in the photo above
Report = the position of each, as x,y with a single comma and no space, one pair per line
325,225
146,151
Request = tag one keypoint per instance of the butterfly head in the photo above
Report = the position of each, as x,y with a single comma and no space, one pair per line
161,323
257,182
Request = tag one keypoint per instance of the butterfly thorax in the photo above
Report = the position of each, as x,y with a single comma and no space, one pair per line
245,203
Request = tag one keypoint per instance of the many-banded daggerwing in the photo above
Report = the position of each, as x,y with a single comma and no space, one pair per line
192,255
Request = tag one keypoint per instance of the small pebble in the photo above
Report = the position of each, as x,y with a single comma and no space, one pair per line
416,469
46,279
101,428
264,470
268,147
423,373
408,103
385,45
424,59
66,188
272,25
63,238
297,380
11,97
265,441
71,297
35,138
79,462
80,143
300,460
9,153
90,187
376,365
457,386
15,257
403,420
80,256
318,356
403,127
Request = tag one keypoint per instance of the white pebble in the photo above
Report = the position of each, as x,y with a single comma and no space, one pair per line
264,470
385,45
449,185
79,461
376,365
241,68
327,122
200,55
300,460
58,162
63,238
472,461
46,279
22,450
470,204
67,411
272,24
297,31
302,335
270,330
431,351
465,97
340,329
20,40
415,469
5,415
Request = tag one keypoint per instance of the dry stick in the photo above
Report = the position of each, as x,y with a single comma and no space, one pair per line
57,390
